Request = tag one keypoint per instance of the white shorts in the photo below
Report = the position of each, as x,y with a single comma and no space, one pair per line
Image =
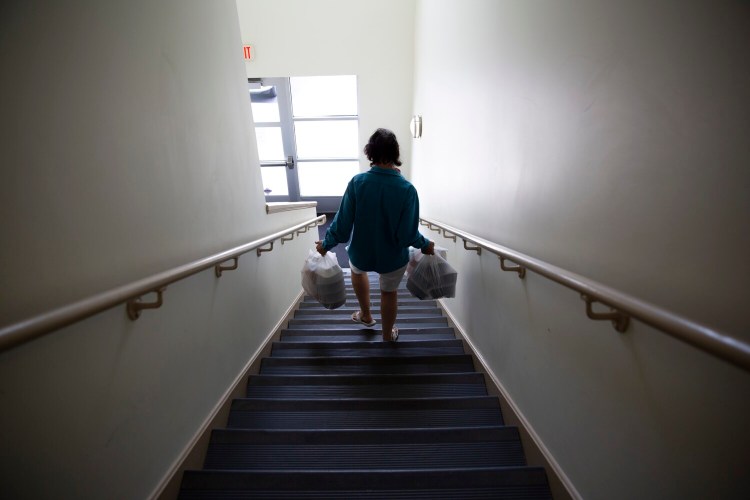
389,281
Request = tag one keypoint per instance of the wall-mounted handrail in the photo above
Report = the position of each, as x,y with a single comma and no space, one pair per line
31,328
708,339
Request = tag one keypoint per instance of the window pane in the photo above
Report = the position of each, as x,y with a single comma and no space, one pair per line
270,147
327,139
330,178
324,95
265,111
274,179
265,103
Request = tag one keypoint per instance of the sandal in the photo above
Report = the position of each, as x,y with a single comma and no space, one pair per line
394,335
356,317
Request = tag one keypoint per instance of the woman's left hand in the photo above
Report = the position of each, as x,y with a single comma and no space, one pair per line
319,248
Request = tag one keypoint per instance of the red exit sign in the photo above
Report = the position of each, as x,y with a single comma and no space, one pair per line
249,52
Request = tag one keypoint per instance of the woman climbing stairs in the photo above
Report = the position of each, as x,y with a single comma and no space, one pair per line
337,413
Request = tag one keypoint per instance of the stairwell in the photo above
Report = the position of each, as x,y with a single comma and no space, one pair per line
337,413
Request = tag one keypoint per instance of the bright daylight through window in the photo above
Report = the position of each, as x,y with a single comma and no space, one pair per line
307,131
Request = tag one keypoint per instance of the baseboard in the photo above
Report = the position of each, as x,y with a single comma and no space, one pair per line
192,455
537,453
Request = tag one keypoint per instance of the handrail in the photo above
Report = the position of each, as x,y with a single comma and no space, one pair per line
710,340
23,331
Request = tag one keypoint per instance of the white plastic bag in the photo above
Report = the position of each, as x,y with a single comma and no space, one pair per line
432,278
415,255
323,279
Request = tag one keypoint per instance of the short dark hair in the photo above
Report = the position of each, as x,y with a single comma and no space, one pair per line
382,148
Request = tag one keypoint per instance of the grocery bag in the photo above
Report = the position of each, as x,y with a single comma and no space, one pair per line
323,279
415,255
432,278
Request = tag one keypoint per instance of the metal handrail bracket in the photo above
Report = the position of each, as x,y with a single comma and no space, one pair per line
218,268
620,321
477,249
519,269
135,306
259,251
449,236
31,328
703,337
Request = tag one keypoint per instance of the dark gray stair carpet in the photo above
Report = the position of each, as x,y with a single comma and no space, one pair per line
372,365
328,449
337,413
471,411
352,349
511,483
347,324
366,386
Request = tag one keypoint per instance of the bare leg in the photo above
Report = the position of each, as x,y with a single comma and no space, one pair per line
361,285
388,311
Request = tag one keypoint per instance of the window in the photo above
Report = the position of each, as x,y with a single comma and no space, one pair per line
307,130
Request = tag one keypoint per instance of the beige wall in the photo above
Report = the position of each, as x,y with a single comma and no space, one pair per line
373,40
608,138
127,148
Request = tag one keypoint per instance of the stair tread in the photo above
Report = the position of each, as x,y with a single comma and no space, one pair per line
347,312
302,336
311,303
364,413
310,437
349,349
522,483
406,329
397,379
355,405
364,448
391,345
445,363
324,321
366,386
329,323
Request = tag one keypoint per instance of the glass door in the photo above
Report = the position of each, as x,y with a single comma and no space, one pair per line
269,99
308,137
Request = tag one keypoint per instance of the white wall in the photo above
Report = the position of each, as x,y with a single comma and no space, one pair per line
127,149
373,40
608,138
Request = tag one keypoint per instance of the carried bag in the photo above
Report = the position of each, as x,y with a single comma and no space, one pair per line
323,279
432,278
415,255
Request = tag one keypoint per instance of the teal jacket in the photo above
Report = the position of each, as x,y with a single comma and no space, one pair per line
383,210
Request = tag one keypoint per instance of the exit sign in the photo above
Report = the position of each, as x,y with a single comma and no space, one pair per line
249,52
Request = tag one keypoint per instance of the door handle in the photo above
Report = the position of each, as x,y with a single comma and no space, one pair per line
290,162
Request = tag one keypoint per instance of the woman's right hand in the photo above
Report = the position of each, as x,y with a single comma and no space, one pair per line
429,249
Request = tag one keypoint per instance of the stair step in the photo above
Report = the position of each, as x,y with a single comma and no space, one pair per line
411,321
374,285
347,312
367,365
364,413
515,483
403,329
363,335
347,322
375,301
366,386
405,449
350,349
401,293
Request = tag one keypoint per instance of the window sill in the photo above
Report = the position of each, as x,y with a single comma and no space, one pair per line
285,206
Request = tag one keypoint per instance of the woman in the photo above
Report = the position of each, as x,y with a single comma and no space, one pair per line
380,210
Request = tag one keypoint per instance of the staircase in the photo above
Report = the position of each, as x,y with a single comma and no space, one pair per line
337,413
